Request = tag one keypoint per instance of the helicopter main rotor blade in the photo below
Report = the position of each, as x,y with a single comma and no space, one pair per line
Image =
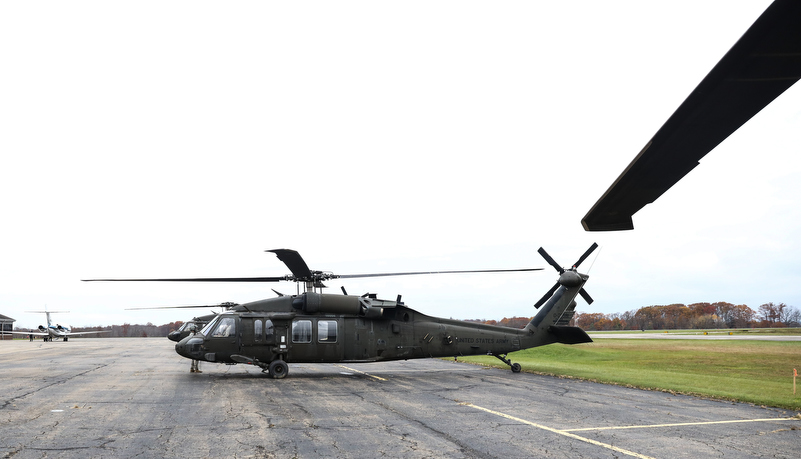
309,277
354,276
222,305
586,254
302,273
294,262
197,279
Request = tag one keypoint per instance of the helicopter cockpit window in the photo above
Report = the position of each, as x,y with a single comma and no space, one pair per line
301,331
327,331
210,326
226,327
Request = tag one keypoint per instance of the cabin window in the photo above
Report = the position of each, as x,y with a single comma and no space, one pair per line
225,328
268,330
327,331
301,331
257,327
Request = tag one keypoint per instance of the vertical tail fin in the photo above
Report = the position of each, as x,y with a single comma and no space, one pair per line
47,313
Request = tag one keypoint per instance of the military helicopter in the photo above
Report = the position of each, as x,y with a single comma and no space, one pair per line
316,327
191,326
763,64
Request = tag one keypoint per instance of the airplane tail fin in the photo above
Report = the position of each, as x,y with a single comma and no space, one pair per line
47,313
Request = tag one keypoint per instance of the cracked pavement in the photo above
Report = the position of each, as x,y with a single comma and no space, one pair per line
134,397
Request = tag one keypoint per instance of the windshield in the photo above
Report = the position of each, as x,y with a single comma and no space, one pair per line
226,327
209,326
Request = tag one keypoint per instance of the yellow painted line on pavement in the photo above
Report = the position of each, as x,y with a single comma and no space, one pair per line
361,372
562,432
653,426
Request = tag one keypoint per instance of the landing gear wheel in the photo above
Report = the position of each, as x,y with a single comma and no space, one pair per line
279,369
502,358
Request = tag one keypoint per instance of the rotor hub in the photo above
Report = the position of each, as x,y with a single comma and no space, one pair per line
570,279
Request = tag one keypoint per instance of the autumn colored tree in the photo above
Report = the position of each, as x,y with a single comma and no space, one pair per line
738,316
515,322
771,313
671,316
702,309
588,321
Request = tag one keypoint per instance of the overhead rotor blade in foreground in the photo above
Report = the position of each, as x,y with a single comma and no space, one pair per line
758,68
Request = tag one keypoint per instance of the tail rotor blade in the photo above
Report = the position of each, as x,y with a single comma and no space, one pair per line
546,297
550,260
586,296
586,254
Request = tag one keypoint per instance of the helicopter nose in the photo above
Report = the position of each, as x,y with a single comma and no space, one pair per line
174,336
189,347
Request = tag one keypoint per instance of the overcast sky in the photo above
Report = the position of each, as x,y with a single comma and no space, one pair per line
182,139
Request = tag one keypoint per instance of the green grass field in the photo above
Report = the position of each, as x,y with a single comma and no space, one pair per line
759,372
714,331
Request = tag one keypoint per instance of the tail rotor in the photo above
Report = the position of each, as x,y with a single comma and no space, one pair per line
567,277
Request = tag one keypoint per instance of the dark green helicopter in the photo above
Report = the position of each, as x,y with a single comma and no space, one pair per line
314,327
190,327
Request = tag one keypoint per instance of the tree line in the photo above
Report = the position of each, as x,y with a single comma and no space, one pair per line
678,316
127,330
693,316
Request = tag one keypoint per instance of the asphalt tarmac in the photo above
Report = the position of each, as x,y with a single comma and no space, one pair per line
134,397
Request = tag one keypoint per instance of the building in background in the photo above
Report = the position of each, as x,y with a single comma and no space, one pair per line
6,325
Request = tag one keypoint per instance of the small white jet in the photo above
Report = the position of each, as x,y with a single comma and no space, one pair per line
53,331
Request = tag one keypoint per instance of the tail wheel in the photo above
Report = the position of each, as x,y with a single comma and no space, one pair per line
516,368
279,369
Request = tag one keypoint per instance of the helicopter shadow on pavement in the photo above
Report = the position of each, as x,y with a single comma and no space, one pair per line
299,372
